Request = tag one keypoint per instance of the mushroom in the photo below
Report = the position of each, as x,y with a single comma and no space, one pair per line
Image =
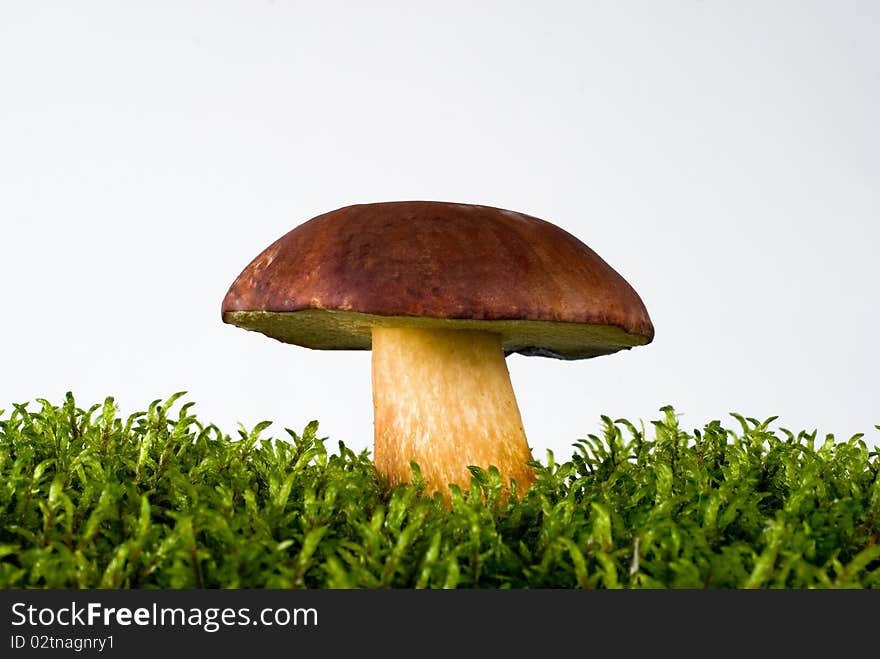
441,293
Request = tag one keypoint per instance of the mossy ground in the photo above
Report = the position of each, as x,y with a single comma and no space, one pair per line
163,500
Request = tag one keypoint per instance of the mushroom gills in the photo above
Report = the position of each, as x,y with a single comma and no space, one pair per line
443,399
326,329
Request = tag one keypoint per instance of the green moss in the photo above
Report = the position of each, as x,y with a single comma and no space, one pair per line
162,500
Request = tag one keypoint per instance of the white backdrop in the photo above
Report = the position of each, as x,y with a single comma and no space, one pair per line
723,157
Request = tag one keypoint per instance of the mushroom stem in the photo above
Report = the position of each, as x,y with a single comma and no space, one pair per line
443,399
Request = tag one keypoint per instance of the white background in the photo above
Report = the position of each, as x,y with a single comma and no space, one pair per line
723,157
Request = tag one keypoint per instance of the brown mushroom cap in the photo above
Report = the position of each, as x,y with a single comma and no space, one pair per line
329,281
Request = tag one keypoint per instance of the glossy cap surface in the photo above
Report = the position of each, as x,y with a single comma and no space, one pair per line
327,282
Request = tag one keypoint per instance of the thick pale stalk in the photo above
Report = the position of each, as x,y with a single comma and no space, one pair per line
443,399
